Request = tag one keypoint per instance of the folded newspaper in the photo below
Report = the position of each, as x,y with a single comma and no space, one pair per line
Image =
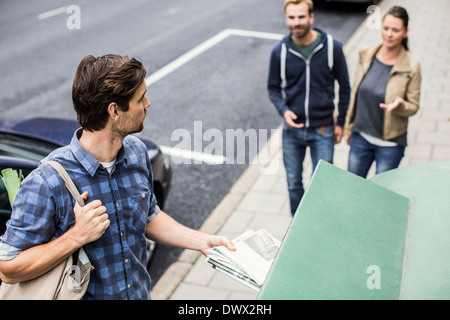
250,263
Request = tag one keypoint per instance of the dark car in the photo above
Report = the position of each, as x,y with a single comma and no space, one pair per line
24,142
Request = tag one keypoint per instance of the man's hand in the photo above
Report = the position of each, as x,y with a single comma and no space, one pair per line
338,133
91,221
290,118
164,229
215,241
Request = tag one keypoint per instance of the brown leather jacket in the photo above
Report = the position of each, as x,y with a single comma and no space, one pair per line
404,81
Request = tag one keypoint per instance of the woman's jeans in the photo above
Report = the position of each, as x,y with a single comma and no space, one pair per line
363,153
295,141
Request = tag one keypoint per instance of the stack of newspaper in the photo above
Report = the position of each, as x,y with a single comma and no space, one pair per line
250,263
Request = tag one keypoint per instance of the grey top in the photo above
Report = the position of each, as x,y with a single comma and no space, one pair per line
369,117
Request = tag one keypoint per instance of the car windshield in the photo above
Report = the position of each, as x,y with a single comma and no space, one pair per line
25,148
5,207
19,147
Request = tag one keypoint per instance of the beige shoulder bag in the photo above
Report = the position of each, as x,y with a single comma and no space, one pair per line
66,281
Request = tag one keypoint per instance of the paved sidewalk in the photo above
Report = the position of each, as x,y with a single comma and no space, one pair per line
259,198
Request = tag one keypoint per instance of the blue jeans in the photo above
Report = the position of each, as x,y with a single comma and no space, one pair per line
363,153
295,141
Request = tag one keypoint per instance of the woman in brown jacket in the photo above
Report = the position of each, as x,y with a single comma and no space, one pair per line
386,92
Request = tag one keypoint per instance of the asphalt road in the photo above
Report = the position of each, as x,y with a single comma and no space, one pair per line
214,89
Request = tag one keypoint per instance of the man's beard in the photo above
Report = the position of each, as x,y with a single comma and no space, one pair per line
124,129
299,33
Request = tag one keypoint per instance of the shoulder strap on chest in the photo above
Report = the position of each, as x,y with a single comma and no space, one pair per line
330,51
283,55
68,181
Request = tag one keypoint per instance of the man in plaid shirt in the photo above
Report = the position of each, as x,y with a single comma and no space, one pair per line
112,170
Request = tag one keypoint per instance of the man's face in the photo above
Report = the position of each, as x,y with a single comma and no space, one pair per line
298,19
132,121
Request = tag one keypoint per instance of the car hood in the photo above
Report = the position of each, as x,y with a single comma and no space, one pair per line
56,130
52,129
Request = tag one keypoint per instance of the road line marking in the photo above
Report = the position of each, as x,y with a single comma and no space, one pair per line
256,34
193,155
185,58
52,13
208,44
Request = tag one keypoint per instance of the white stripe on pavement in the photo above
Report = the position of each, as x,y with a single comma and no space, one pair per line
185,58
208,44
193,155
52,13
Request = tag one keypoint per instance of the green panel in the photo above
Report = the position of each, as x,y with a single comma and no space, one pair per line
427,266
343,226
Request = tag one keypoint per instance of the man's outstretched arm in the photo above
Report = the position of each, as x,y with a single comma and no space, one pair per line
164,229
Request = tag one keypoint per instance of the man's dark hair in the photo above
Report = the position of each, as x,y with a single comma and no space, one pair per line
100,81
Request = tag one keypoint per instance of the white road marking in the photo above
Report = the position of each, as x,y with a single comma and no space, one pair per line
256,34
193,155
208,44
185,58
51,13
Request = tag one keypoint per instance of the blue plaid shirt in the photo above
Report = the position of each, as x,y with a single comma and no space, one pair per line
43,209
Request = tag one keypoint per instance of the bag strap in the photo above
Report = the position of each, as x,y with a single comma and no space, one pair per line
68,181
78,254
